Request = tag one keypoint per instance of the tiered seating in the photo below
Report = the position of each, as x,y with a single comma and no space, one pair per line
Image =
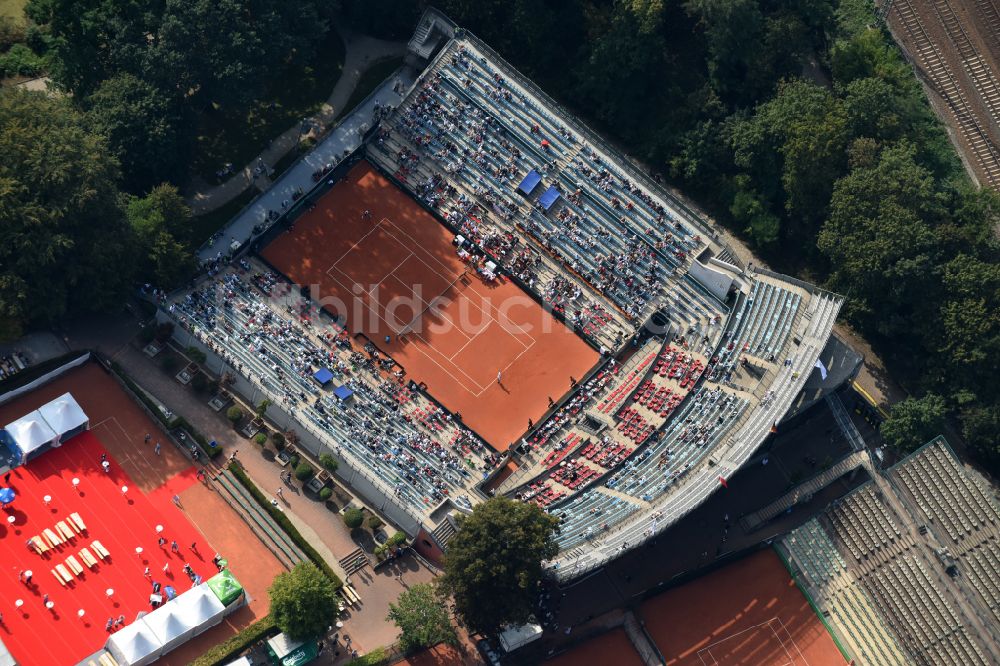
760,327
621,393
952,500
813,551
913,604
686,440
863,523
589,514
542,493
485,132
607,455
281,356
568,443
573,474
981,565
855,613
634,426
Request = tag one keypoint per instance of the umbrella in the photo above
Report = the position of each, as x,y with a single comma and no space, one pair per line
6,495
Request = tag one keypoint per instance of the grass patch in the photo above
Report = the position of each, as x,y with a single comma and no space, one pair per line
236,139
203,226
13,9
371,80
285,524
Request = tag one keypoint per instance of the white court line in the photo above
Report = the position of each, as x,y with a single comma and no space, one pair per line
375,227
791,660
791,640
426,304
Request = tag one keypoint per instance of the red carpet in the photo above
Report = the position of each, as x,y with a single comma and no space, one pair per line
35,635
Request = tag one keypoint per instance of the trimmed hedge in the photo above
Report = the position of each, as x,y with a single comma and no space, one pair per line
377,657
284,523
227,650
176,422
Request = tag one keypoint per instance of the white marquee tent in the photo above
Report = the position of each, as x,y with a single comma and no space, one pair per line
31,434
200,606
134,645
65,416
170,627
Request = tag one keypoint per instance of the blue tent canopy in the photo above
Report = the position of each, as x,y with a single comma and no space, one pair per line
529,182
549,197
323,376
343,393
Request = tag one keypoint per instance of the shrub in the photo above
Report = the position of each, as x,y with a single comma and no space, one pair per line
168,363
293,461
353,518
195,354
164,331
325,493
225,651
260,439
397,539
278,439
147,334
234,414
304,471
374,522
199,382
376,657
20,61
328,462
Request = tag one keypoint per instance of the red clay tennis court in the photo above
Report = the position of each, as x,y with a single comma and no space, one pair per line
749,613
396,273
613,647
120,523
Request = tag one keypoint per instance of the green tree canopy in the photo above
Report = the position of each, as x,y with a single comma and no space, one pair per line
913,422
422,617
161,222
494,563
142,124
303,601
64,244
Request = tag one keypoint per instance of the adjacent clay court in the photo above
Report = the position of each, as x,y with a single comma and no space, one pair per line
747,614
121,522
613,647
394,272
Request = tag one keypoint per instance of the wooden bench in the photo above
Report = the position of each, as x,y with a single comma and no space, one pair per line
64,572
51,537
87,558
64,531
59,577
101,551
350,594
74,565
77,521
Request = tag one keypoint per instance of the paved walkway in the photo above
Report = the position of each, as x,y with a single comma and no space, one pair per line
361,52
323,528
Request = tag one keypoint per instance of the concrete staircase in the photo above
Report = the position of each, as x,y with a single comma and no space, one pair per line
354,562
266,529
752,521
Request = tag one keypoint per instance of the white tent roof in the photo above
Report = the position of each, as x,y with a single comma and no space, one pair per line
63,414
199,606
168,625
134,645
30,432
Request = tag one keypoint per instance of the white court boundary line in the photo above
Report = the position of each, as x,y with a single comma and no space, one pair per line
769,624
426,305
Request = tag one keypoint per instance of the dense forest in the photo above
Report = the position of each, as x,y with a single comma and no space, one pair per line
796,123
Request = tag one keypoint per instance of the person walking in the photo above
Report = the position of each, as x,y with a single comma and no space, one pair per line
146,573
174,548
156,449
147,438
279,493
499,376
